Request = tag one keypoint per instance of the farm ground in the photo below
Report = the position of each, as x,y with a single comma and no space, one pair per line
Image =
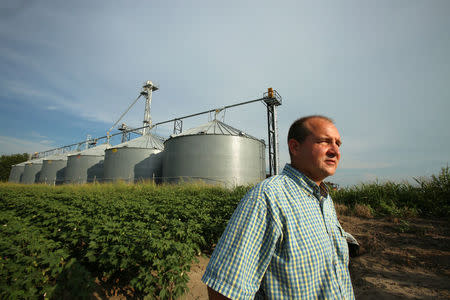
399,260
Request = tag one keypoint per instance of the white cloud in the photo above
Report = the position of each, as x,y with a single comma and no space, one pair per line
35,134
46,142
11,145
55,101
18,88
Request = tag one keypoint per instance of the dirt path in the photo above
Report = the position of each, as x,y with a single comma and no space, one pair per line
399,260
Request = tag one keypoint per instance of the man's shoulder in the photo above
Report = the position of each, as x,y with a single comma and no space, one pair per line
273,181
273,184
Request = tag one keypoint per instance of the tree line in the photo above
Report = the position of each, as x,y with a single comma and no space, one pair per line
7,161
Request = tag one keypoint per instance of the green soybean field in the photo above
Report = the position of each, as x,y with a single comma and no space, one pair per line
54,241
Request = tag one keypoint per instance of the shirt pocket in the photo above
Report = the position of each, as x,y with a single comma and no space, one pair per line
341,245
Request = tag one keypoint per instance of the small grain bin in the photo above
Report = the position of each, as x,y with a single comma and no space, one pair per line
53,169
135,160
85,166
215,153
32,171
16,172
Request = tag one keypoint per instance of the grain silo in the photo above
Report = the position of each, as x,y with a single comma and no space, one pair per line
215,153
32,171
85,166
134,160
16,172
53,169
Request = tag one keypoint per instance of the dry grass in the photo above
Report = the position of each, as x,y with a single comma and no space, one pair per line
363,211
341,209
360,210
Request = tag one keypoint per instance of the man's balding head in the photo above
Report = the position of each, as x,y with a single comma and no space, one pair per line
299,130
314,145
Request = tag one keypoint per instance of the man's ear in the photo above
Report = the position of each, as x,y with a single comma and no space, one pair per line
294,146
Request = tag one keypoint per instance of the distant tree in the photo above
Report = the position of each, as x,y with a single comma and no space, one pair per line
7,161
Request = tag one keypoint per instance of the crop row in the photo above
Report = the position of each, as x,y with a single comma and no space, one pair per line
140,237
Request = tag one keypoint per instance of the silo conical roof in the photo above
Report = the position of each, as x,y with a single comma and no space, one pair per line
94,151
148,141
35,161
214,127
56,157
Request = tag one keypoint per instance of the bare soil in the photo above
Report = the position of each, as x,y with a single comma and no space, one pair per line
399,259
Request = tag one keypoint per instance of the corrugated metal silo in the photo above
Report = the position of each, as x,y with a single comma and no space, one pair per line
134,160
16,172
32,171
85,166
53,169
214,153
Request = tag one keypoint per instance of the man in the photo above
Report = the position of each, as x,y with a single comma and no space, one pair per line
284,240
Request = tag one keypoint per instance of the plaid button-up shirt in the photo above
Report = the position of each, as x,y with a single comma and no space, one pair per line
283,241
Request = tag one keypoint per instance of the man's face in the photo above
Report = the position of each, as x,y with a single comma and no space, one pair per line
318,156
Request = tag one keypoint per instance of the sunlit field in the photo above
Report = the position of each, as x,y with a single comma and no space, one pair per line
141,239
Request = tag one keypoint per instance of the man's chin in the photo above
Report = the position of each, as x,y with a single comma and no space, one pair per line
330,171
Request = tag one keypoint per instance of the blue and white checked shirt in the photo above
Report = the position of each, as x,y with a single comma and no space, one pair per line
283,242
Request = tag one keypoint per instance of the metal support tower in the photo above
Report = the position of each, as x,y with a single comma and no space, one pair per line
88,139
177,126
125,132
147,90
272,100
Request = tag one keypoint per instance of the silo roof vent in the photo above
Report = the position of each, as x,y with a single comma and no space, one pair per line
148,141
214,127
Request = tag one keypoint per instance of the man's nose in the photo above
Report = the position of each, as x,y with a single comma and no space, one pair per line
333,151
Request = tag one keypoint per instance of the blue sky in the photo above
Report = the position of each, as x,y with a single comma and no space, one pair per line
380,69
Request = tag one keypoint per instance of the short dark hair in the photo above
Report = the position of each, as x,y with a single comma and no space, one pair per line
299,131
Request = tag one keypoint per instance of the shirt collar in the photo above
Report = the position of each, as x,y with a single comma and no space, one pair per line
305,182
